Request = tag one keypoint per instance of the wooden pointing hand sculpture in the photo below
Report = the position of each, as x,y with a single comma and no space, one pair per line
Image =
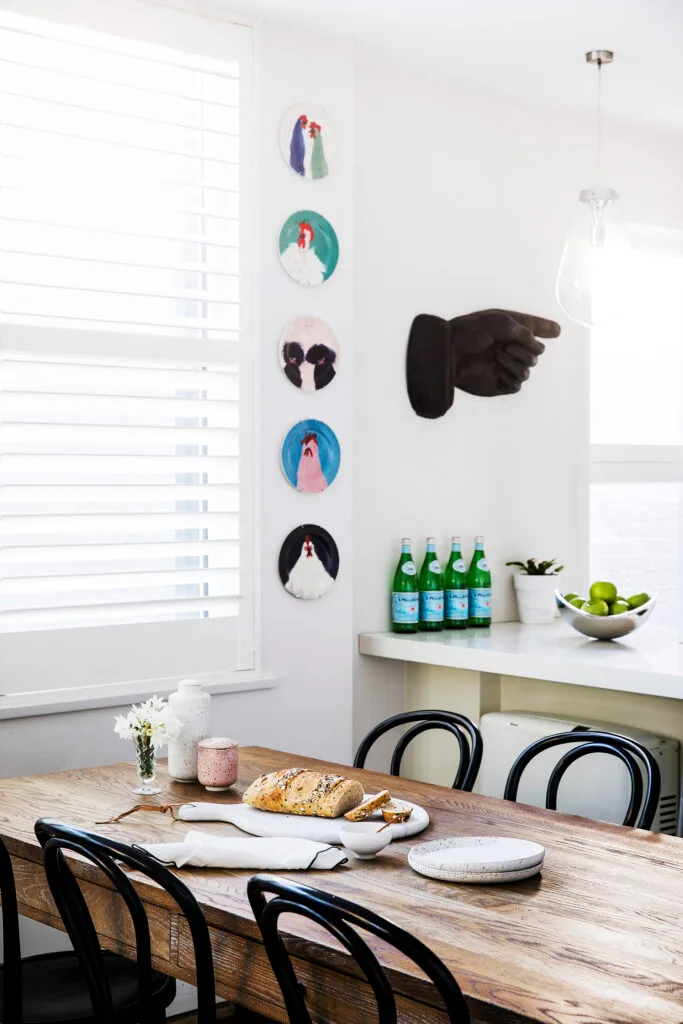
487,353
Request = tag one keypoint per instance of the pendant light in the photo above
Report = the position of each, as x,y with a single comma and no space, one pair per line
588,288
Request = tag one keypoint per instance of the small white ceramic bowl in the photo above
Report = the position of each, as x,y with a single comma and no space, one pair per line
364,837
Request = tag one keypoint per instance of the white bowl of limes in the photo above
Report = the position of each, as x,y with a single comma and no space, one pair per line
605,615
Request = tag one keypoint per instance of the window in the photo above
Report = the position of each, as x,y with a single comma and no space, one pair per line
126,512
637,429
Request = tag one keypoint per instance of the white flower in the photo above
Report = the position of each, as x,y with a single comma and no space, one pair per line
153,719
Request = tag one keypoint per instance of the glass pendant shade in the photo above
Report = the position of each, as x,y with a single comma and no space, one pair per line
590,281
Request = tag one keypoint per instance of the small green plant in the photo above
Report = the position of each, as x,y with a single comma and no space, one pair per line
534,568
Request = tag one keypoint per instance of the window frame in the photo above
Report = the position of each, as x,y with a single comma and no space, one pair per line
178,24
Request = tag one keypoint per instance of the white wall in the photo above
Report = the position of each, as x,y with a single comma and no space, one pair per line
462,203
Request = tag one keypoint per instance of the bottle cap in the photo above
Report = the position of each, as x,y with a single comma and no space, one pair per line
479,540
455,540
405,540
430,540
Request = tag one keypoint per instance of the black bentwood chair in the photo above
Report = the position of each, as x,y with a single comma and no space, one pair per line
465,731
628,751
341,918
104,987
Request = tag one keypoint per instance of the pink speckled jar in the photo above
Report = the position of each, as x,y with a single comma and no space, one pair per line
217,763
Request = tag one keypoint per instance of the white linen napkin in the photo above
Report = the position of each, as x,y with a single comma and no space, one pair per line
200,850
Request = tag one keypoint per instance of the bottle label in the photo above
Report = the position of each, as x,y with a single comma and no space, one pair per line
431,606
483,565
409,568
456,604
405,608
480,602
459,565
435,566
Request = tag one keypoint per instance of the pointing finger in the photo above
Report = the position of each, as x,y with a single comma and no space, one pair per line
538,325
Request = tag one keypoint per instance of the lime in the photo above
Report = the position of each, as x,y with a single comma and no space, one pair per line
596,607
578,602
619,607
569,597
603,592
637,600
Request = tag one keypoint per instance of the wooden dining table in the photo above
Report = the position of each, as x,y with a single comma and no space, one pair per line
596,938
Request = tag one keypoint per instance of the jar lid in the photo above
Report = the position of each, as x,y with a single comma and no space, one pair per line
187,684
217,742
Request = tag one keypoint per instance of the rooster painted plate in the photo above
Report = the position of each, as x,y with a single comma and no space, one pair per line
309,562
310,456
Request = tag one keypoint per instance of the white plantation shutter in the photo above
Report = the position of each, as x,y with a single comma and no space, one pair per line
125,488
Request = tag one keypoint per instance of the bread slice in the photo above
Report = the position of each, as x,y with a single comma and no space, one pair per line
396,811
300,791
369,806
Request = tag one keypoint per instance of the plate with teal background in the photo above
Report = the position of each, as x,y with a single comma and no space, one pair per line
309,248
310,456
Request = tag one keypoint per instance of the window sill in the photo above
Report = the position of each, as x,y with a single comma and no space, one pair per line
50,702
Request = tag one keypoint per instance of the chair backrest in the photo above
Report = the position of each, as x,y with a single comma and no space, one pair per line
641,811
107,855
342,918
460,726
11,1006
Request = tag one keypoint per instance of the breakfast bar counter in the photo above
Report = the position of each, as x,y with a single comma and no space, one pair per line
649,661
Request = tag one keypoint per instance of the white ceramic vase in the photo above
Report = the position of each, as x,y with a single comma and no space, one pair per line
192,706
536,598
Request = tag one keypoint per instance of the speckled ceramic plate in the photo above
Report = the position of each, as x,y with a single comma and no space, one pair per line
477,858
480,877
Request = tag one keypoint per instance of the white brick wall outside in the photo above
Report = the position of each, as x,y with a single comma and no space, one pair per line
635,541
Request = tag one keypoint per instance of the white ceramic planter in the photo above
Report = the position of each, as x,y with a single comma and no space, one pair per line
536,598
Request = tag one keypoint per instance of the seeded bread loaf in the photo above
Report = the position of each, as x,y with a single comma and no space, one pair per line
300,791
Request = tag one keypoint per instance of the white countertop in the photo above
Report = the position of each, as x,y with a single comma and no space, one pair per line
649,661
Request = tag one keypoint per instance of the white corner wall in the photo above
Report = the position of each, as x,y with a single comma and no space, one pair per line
462,203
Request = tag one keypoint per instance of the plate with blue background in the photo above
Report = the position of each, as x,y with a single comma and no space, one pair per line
310,456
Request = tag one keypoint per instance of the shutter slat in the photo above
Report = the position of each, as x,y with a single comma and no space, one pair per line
85,81
118,614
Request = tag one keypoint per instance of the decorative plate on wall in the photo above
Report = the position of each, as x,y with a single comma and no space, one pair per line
309,562
309,248
305,140
310,456
309,353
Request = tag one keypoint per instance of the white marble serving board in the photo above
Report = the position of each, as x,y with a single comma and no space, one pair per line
477,858
268,823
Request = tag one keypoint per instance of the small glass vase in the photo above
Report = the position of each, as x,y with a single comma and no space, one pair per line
146,766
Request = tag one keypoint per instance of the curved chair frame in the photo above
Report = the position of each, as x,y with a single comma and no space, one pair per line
629,752
341,918
465,731
11,976
104,853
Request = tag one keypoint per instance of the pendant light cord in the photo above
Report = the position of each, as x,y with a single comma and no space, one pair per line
598,114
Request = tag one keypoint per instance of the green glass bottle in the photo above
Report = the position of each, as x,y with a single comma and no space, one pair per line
431,590
479,586
455,587
405,598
